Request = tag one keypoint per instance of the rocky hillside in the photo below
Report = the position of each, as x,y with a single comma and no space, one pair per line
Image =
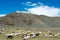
29,20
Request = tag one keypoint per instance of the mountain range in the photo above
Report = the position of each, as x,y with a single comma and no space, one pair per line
15,19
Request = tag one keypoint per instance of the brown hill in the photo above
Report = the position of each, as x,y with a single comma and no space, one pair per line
29,20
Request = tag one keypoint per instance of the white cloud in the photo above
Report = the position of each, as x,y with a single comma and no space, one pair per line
26,3
22,11
1,15
33,4
40,3
41,9
45,10
29,4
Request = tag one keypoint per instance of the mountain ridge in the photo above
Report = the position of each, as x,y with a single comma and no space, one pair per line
30,20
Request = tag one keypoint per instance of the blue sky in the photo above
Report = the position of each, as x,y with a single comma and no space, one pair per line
8,6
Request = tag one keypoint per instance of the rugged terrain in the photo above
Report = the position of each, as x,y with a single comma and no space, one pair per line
29,20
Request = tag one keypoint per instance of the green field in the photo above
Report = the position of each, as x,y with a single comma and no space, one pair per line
43,30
